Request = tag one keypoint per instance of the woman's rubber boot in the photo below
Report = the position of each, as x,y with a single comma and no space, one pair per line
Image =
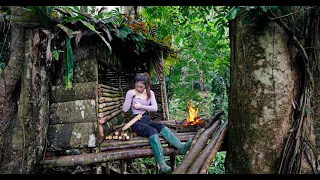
173,140
158,153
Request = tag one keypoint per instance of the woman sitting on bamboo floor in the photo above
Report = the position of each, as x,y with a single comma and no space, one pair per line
142,99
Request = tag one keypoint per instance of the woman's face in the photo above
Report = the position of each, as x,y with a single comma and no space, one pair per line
140,87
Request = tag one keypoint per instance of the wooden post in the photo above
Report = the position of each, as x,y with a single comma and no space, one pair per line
122,166
164,92
157,168
107,168
173,162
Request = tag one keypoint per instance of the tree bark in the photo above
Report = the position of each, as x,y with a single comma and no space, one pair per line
264,86
10,88
206,164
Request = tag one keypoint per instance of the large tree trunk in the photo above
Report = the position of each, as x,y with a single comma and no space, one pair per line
10,89
264,85
25,113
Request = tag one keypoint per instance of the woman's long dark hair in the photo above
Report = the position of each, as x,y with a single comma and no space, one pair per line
145,79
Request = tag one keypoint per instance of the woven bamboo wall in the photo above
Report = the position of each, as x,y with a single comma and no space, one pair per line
125,81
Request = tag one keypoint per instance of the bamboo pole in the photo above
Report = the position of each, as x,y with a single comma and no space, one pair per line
134,144
103,114
212,154
108,117
108,95
105,99
108,87
193,153
106,109
197,164
94,158
108,91
102,105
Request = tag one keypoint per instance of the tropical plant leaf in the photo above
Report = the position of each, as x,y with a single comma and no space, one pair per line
41,14
68,31
68,63
91,27
124,31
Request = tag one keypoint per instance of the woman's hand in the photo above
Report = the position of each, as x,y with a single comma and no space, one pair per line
136,105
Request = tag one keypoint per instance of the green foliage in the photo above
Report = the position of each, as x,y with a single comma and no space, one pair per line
217,165
74,20
5,27
202,58
68,63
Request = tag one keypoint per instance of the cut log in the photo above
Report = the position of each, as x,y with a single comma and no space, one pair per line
78,91
197,164
108,126
213,119
210,157
94,158
196,149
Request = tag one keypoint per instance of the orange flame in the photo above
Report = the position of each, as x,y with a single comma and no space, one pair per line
193,116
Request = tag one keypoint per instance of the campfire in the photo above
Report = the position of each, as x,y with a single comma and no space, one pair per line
193,118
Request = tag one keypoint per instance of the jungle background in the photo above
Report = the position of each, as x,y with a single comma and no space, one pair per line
199,71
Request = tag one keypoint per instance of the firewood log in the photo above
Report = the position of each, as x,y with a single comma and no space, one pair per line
114,137
117,133
210,157
196,149
197,164
109,137
213,119
118,126
134,134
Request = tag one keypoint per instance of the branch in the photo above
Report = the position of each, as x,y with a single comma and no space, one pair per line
292,13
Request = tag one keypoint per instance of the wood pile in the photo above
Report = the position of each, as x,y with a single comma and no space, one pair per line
204,147
119,134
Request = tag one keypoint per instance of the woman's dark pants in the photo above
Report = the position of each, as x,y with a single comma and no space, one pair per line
146,127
